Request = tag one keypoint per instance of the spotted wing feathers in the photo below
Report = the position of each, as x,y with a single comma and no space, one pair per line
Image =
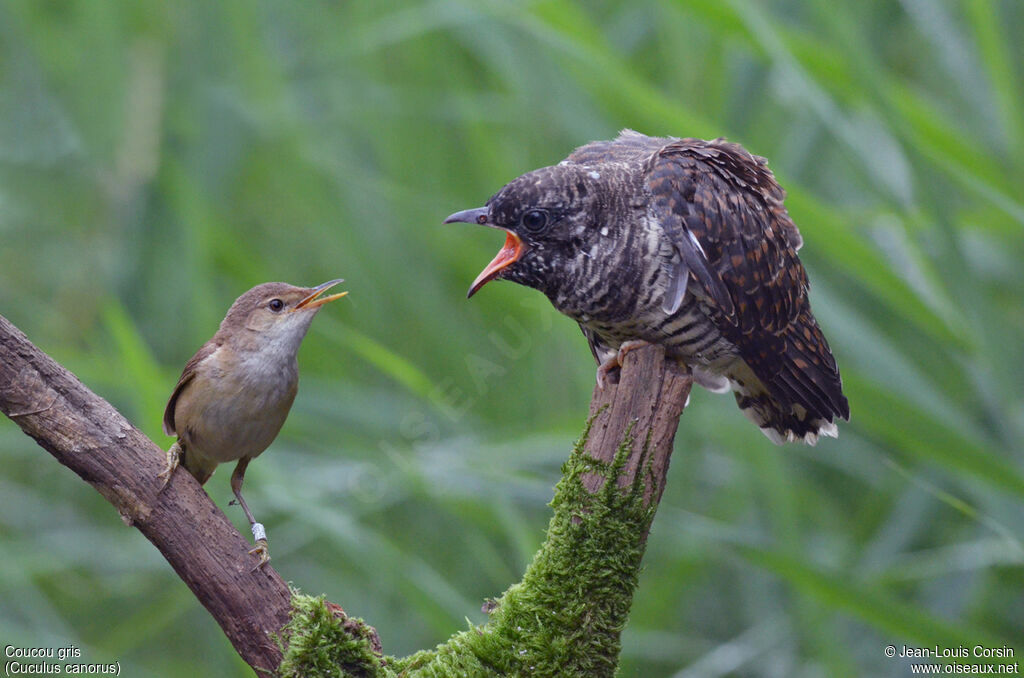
723,211
722,207
716,202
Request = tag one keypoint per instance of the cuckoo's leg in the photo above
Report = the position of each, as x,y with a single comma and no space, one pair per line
615,361
258,533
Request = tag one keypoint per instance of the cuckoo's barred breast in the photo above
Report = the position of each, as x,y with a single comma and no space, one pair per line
681,242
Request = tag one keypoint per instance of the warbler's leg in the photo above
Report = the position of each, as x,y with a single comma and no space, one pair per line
173,459
259,534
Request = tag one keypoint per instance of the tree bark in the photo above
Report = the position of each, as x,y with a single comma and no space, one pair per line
565,618
86,434
597,533
649,399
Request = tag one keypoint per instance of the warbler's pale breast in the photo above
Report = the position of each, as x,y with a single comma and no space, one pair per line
236,404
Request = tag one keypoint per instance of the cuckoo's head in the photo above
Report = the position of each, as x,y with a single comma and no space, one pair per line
553,218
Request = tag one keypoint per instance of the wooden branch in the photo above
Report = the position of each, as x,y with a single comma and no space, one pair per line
86,434
565,617
650,396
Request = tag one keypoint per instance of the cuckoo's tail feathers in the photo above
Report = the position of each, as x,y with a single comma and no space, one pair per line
784,424
801,395
788,416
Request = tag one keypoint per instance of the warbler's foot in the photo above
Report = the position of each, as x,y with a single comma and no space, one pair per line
615,362
259,534
262,554
173,459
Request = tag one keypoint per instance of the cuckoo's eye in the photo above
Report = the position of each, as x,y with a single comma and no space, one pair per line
276,305
534,221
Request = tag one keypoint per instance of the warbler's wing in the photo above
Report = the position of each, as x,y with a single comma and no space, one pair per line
184,380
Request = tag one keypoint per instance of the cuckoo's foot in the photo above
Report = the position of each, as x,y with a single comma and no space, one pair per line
614,363
173,459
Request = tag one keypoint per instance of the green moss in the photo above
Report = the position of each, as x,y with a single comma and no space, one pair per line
566,616
317,643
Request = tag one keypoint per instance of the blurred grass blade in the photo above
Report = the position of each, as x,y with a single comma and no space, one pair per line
900,425
138,367
377,354
879,608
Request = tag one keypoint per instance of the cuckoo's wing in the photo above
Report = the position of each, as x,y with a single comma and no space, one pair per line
722,209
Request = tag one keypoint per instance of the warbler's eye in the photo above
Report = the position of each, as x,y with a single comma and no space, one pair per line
276,305
534,220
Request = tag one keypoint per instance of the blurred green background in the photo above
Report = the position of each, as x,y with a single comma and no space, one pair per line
158,159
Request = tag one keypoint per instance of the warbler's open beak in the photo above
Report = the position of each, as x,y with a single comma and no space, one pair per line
507,255
312,300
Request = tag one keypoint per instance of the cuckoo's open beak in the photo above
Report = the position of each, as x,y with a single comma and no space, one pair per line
312,300
507,255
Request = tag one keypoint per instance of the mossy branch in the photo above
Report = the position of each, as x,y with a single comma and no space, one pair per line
564,618
85,433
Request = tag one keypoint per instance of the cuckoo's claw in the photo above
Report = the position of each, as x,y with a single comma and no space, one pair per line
615,362
610,365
